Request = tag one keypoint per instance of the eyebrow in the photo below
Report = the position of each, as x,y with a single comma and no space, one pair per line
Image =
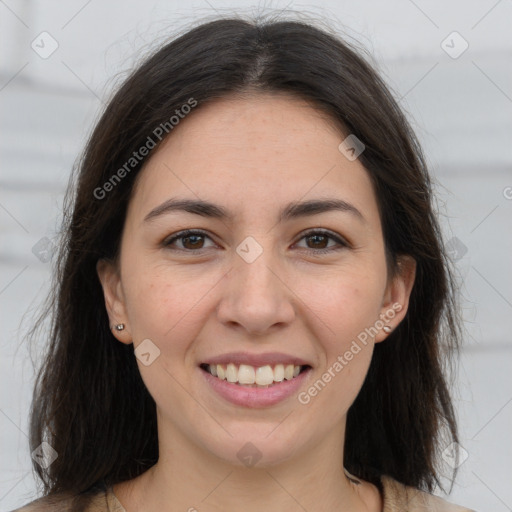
291,211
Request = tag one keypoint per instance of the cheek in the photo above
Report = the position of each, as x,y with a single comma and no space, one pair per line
166,308
345,301
350,311
166,304
348,306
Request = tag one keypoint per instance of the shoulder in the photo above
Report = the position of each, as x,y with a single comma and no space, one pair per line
401,498
47,503
67,503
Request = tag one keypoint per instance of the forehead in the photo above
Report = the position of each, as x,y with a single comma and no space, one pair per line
253,151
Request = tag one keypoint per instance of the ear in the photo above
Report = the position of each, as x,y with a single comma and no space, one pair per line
110,279
396,297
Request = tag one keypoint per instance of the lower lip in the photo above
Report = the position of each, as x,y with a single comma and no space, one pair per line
255,397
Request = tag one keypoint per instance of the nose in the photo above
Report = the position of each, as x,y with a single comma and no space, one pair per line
257,296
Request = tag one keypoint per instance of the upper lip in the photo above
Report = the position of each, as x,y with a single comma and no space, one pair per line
257,360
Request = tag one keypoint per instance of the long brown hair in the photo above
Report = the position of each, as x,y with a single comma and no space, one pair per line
90,403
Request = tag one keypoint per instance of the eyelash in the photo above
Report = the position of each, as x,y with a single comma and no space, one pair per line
188,232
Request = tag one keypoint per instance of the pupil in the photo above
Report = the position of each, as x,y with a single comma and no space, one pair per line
317,237
187,238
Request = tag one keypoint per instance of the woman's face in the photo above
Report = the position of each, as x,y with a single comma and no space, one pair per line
267,281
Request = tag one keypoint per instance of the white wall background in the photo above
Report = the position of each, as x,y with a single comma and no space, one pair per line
461,108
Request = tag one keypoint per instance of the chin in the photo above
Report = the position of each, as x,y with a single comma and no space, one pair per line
258,450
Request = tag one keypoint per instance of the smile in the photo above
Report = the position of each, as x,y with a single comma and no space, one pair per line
254,377
254,386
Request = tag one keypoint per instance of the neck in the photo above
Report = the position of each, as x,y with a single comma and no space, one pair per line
188,478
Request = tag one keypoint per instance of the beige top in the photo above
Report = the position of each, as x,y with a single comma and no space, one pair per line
396,497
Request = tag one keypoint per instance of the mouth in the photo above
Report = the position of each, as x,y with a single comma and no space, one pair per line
249,376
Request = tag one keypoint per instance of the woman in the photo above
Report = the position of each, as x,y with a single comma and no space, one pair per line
253,297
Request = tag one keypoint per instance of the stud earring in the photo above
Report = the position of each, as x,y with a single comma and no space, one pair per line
119,327
387,329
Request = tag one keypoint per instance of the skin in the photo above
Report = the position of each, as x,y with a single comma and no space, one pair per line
252,155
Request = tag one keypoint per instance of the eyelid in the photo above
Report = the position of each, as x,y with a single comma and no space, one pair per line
326,232
182,234
340,240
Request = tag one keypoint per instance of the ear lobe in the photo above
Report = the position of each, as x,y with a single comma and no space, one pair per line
110,280
398,292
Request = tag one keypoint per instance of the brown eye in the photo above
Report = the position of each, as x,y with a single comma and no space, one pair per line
317,242
188,241
193,241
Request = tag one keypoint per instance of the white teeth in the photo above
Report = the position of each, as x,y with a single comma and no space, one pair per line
249,375
231,373
246,374
279,372
264,375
